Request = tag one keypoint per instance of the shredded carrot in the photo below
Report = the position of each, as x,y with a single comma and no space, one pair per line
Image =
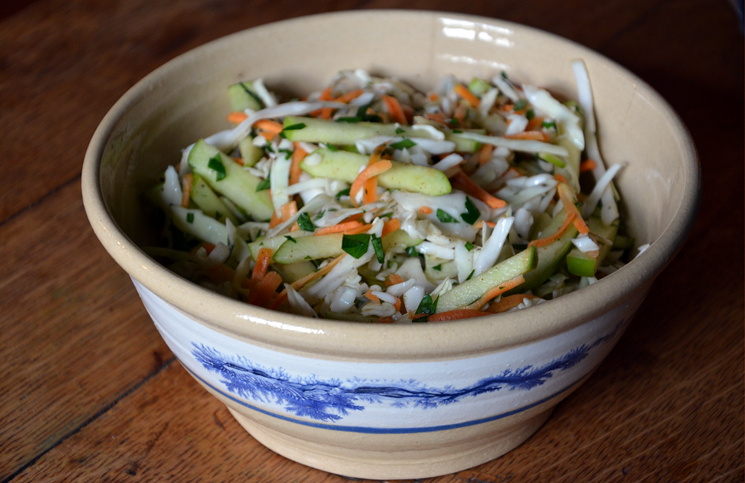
237,117
325,112
569,207
372,297
560,178
207,246
298,284
528,136
397,305
386,320
535,124
373,170
269,126
390,226
460,114
239,161
275,220
370,191
264,290
463,182
262,263
425,209
435,116
354,217
507,108
339,228
432,97
220,274
350,95
394,109
359,229
456,314
288,210
394,279
587,165
485,154
326,94
498,290
484,222
295,227
186,186
297,157
510,302
542,242
462,91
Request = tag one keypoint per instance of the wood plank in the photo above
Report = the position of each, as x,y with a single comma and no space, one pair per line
75,335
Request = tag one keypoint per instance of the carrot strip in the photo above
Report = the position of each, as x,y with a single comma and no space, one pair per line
295,170
528,136
262,263
239,161
350,95
456,314
372,297
510,302
359,229
354,217
569,207
220,274
484,222
269,126
460,114
373,170
386,320
498,290
394,109
370,191
397,305
425,209
432,97
288,210
462,91
587,165
435,116
341,227
390,226
237,117
265,289
186,186
463,182
326,94
560,178
485,154
542,242
535,123
298,284
275,220
394,279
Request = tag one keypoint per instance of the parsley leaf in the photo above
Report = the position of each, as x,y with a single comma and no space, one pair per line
444,217
377,244
404,143
190,217
411,251
355,245
290,238
215,164
437,267
265,184
520,104
427,306
549,124
399,130
341,193
470,275
304,222
319,215
469,246
473,212
530,114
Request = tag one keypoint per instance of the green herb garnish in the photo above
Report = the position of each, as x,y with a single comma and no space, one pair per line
411,251
265,184
355,245
520,104
444,217
426,306
403,144
469,246
190,217
472,214
470,275
341,193
304,222
319,215
377,244
215,164
530,114
549,124
399,130
437,267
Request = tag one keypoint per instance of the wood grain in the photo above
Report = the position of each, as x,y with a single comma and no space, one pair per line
91,393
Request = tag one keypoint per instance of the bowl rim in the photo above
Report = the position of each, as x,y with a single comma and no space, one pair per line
291,332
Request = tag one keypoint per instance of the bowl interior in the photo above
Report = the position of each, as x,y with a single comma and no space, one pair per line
186,99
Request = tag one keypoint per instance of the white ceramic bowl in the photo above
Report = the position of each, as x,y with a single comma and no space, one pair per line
388,401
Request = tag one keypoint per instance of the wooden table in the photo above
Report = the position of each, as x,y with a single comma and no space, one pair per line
90,392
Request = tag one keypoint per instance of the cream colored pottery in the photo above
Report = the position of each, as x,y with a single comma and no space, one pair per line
392,401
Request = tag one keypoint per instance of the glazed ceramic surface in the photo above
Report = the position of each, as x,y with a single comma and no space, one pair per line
393,401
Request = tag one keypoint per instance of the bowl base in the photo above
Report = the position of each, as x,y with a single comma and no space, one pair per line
410,464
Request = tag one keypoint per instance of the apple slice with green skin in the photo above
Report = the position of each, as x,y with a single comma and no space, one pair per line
398,241
345,166
584,265
207,201
473,289
309,248
347,133
249,153
242,96
229,178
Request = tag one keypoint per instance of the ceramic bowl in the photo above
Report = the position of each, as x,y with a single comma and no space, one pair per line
371,400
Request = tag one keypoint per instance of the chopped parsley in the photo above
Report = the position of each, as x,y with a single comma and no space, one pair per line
427,306
319,215
265,184
530,114
469,246
411,251
377,244
341,193
215,164
472,214
520,104
399,130
403,144
190,217
305,223
355,245
437,267
444,217
549,124
470,275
